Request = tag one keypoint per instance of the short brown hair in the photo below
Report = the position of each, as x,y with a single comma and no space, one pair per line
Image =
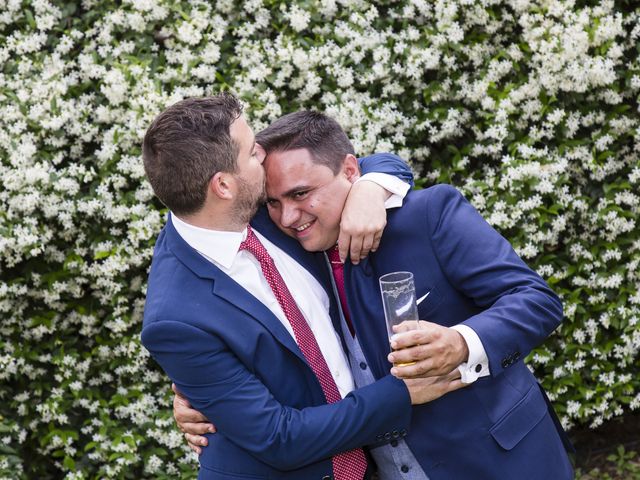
186,145
320,134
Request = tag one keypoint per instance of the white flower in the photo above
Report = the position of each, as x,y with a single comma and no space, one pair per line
298,18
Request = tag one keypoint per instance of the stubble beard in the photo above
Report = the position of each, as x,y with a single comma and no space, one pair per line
250,198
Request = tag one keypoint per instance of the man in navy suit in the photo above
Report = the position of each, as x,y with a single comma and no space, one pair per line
485,311
218,316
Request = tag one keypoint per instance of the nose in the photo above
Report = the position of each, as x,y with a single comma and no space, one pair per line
290,215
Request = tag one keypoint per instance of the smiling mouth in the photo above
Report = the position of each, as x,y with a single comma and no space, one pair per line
302,227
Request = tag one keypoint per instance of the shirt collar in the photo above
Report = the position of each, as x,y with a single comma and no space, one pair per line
216,245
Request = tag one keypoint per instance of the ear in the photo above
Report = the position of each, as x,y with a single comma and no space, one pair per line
350,168
221,185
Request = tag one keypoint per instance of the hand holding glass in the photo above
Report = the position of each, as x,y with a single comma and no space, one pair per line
399,301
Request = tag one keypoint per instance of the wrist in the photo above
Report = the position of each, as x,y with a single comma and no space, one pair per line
372,186
462,348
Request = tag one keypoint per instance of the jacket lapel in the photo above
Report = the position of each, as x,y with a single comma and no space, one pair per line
225,288
228,290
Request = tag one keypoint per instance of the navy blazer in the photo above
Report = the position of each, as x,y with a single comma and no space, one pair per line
238,365
502,425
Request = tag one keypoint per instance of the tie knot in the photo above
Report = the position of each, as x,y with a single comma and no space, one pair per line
253,245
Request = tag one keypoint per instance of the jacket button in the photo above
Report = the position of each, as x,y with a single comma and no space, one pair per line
363,365
387,436
327,477
404,469
379,437
395,434
394,443
505,363
403,432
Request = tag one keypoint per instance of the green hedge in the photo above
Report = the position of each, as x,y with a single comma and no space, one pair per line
530,108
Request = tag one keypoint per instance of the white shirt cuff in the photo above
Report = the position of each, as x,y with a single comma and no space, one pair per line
396,187
477,365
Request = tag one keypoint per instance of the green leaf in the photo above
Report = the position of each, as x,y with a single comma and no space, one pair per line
69,463
102,254
30,20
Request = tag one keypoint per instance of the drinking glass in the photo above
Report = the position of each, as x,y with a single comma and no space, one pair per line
399,300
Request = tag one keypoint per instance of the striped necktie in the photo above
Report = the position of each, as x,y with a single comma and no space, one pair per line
350,465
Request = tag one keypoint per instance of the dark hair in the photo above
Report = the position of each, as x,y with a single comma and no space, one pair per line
315,131
186,145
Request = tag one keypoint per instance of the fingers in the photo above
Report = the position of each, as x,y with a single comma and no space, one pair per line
456,385
367,245
423,390
183,413
191,428
425,357
376,241
359,246
418,369
184,416
408,338
411,354
195,442
412,325
344,243
355,249
452,376
356,246
363,219
453,381
358,241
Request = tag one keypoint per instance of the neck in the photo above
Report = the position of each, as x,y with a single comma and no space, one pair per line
211,219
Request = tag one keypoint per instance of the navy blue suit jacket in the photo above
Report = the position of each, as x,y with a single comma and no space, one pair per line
237,364
502,425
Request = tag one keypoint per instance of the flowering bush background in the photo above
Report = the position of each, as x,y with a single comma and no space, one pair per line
530,108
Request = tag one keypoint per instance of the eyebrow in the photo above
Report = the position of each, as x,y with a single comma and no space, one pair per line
296,189
289,193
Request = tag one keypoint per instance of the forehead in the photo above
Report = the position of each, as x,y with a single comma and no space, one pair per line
291,168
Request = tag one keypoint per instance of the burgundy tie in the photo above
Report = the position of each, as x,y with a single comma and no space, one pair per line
338,274
350,465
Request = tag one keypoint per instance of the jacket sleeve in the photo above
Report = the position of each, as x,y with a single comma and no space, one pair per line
519,308
386,163
218,384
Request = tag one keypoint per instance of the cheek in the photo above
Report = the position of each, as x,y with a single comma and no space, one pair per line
274,215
